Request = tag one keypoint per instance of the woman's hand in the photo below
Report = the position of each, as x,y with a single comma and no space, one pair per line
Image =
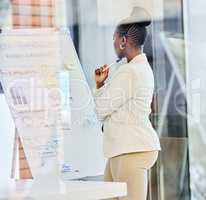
101,75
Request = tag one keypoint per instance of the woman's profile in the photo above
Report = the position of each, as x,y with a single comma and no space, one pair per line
123,104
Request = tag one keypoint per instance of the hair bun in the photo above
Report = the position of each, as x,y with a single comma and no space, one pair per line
138,16
145,23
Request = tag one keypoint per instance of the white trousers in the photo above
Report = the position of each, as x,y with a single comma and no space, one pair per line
133,169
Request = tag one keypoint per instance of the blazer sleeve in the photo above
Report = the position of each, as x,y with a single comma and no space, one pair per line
114,94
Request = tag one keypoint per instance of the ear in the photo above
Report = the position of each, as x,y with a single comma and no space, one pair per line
124,41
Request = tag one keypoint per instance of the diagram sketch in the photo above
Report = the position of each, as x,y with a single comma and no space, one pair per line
51,103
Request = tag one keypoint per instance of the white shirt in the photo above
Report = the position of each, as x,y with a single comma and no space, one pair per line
123,105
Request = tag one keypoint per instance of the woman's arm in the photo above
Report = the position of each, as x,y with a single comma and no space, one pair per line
111,96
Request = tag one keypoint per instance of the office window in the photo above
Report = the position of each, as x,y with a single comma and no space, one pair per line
170,107
165,51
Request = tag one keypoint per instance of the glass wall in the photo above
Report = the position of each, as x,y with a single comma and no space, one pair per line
175,49
165,49
169,107
196,82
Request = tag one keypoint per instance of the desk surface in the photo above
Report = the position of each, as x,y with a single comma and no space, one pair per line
68,190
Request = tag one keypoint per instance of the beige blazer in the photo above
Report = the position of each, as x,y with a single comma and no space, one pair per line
123,105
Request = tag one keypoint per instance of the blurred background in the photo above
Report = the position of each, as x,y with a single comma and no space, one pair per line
175,48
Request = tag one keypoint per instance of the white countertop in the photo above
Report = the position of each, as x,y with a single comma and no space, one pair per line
69,190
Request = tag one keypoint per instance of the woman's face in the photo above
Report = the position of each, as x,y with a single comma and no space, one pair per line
118,40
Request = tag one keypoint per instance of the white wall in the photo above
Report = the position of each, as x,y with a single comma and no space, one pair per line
6,141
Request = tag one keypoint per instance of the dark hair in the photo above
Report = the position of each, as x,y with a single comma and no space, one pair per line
134,27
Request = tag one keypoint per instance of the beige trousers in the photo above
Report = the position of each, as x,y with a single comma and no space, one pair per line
131,168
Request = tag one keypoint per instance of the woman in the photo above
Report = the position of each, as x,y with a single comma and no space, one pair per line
123,105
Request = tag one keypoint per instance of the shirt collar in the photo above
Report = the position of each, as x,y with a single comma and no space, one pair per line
138,58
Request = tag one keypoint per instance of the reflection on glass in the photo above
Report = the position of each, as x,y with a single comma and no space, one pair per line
4,7
174,46
92,25
169,105
169,116
171,171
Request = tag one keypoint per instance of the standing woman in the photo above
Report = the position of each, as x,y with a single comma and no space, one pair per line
123,104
